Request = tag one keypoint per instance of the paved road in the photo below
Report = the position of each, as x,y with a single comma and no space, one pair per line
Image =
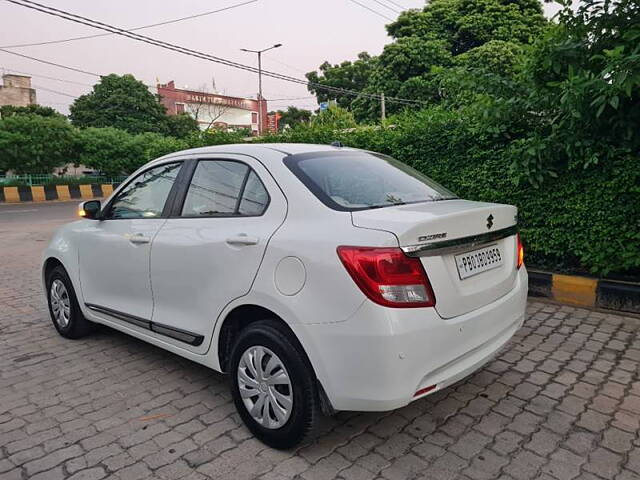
561,401
37,213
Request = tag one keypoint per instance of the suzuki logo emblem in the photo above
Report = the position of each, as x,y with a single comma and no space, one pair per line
489,221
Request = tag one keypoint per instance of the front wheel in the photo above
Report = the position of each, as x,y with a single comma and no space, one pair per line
273,385
63,305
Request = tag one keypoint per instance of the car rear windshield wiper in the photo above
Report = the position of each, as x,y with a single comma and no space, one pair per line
395,204
444,198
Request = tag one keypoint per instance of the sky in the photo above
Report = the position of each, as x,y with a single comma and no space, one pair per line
310,33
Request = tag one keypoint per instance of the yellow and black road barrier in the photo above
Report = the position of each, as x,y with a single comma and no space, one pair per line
47,193
585,291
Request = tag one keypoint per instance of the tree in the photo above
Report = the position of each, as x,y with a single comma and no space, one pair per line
109,150
582,105
293,116
36,144
10,110
348,75
116,152
466,24
496,56
120,102
427,43
181,125
335,118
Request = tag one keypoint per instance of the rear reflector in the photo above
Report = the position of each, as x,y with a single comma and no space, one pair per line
424,390
388,277
519,251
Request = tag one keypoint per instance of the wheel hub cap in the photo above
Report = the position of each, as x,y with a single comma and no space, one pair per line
60,303
265,387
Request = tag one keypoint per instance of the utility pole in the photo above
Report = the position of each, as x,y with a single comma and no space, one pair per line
260,99
383,108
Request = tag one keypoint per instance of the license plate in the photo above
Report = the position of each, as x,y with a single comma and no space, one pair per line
478,261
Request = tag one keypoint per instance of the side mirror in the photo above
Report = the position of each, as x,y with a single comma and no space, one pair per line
89,209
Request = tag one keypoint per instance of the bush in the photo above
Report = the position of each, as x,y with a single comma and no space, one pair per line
32,143
110,150
215,137
58,180
115,152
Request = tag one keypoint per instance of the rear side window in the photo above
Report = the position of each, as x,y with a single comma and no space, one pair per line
224,188
354,180
255,197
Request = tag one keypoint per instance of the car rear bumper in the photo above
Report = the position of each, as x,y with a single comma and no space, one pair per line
380,357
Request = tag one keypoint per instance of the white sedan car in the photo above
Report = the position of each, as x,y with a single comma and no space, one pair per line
319,278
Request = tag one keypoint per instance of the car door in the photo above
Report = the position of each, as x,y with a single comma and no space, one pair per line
209,250
114,251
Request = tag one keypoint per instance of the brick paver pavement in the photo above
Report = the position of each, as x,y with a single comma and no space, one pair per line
561,401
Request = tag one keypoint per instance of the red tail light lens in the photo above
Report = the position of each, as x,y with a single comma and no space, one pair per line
519,252
388,277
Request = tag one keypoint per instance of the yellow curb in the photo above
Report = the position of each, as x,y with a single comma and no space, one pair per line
63,192
107,189
574,290
37,194
11,195
85,191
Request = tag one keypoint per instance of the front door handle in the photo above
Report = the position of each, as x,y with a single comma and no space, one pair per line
139,239
242,239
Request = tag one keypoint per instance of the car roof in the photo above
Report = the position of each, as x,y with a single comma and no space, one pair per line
257,148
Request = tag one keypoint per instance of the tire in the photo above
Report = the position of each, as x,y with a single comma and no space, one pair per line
284,430
71,324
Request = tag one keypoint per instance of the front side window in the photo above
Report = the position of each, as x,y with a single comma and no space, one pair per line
359,180
145,196
224,188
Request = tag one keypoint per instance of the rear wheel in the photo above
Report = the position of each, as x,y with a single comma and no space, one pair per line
63,305
273,385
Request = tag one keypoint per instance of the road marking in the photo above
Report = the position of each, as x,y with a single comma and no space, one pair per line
20,211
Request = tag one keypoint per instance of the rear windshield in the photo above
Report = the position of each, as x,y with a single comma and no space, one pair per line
358,180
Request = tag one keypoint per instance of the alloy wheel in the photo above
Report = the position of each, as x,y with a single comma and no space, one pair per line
265,387
60,303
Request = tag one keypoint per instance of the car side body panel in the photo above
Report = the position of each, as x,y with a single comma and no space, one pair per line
199,265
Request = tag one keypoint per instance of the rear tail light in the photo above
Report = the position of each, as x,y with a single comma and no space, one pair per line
519,252
388,277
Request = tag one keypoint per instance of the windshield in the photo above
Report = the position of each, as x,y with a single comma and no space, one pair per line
356,180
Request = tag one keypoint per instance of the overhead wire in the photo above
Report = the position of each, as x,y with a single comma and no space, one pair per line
401,7
55,91
394,10
45,76
371,10
167,22
50,63
60,65
197,54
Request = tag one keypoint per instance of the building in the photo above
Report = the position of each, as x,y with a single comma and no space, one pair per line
16,91
212,110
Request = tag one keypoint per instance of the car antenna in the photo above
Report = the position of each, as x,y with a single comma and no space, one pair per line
337,143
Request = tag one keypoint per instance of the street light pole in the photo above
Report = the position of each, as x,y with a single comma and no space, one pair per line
260,119
260,99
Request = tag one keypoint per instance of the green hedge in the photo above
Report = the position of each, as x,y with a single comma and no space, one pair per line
583,221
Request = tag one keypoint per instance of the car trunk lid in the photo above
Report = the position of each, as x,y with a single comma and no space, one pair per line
441,234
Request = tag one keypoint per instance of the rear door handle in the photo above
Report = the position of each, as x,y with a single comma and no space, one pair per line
139,239
242,239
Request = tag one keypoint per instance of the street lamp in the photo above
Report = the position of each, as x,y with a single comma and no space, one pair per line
260,52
